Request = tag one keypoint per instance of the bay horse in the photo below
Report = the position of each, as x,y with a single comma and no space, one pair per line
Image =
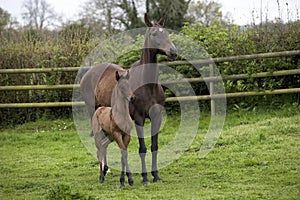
97,85
114,123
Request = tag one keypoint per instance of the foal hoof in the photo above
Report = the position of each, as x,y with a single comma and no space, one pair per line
101,180
105,170
91,134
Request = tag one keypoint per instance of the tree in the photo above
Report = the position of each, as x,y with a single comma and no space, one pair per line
6,21
173,10
110,15
4,18
97,15
126,14
38,14
206,12
131,19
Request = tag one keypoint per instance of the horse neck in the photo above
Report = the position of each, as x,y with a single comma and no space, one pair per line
149,65
120,105
145,71
120,112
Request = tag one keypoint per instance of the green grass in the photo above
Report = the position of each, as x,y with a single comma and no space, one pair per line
256,157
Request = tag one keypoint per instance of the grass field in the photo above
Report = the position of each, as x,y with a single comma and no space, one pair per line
256,157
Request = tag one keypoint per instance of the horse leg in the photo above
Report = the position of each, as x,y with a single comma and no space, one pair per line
142,152
155,114
122,178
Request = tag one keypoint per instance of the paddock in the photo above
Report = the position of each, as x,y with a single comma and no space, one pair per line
256,157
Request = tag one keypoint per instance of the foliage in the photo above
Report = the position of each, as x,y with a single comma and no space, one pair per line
256,157
29,48
222,41
4,19
173,10
111,16
116,15
214,39
206,12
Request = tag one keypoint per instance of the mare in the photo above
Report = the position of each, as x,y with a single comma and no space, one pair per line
114,123
97,85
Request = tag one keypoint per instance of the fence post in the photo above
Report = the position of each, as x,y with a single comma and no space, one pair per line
211,90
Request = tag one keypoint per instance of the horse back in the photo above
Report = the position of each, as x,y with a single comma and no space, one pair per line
97,84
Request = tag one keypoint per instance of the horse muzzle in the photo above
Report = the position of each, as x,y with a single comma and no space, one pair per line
172,53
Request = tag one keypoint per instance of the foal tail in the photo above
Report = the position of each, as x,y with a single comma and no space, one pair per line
95,124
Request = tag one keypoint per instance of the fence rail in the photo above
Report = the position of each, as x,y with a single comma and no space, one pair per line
201,61
191,80
170,99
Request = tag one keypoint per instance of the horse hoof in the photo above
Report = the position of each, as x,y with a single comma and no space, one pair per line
146,182
122,185
157,180
130,181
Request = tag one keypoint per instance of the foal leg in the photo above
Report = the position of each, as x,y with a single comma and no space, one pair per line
119,140
100,157
101,177
102,143
105,166
155,114
126,140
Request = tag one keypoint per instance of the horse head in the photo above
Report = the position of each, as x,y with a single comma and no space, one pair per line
157,38
124,87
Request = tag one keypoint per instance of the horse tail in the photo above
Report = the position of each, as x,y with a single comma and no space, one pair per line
81,72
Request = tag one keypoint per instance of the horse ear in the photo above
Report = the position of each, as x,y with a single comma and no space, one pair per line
127,75
161,22
117,76
147,20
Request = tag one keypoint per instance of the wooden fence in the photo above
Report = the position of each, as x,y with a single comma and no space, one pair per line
210,79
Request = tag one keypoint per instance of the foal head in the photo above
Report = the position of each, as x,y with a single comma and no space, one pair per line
157,38
123,87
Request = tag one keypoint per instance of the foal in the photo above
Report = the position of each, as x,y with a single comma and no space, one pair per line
114,123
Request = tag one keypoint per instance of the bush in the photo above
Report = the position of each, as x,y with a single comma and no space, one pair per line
41,49
228,40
